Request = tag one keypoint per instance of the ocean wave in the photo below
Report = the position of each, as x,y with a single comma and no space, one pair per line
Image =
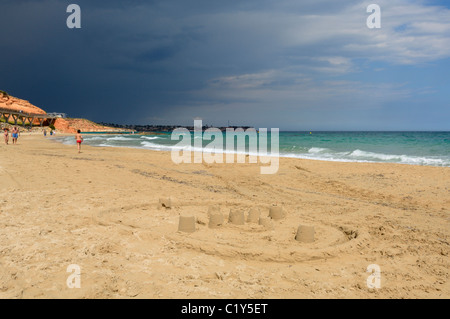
315,150
150,137
368,157
158,147
190,148
311,153
375,156
420,160
118,138
94,138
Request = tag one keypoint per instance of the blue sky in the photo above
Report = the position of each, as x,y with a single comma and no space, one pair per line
296,65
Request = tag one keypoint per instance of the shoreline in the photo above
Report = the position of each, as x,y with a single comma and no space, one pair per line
285,155
100,209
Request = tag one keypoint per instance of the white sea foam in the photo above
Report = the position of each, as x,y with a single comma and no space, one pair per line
367,157
313,153
315,150
118,138
189,148
150,137
94,138
158,147
420,160
375,156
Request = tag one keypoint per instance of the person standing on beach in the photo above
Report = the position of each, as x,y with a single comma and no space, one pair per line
6,135
79,139
45,132
15,135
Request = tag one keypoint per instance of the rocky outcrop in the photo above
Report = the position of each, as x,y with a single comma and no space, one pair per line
63,125
12,103
72,125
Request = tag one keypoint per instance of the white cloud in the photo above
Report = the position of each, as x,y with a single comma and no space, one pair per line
245,81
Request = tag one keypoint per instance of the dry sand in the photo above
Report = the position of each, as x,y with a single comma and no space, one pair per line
100,210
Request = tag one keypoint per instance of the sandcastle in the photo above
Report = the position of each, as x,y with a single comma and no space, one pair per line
276,213
216,220
186,224
230,230
253,215
236,217
305,234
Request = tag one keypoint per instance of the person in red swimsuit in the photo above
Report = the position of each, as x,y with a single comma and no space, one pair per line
79,139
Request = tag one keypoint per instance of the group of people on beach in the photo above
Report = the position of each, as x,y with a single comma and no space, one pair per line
14,135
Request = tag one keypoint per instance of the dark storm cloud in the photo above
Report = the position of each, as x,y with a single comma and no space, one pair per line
255,61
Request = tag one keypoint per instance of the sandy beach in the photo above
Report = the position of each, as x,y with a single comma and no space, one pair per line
100,210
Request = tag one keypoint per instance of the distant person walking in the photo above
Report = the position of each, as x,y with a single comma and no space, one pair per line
15,134
45,132
6,135
79,139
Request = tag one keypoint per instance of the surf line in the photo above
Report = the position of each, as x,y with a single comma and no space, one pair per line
235,146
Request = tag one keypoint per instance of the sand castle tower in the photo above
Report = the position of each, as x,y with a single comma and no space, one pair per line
276,212
236,217
305,234
186,224
216,220
253,215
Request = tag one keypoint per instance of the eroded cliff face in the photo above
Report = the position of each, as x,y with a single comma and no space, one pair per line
63,125
16,104
72,125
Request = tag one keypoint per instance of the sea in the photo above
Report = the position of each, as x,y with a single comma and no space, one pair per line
413,148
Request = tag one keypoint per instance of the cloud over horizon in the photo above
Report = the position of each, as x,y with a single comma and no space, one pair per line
289,64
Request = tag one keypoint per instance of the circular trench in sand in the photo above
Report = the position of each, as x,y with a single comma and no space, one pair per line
274,242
